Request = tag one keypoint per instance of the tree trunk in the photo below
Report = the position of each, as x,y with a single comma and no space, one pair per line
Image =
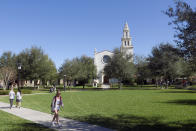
119,85
5,85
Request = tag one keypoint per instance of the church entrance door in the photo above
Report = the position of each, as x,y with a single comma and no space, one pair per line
105,80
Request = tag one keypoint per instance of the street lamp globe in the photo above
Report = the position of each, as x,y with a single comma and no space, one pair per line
19,67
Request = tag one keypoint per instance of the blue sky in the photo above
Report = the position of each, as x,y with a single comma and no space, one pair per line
69,28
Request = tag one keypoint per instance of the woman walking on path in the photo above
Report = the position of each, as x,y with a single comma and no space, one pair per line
18,98
11,96
55,107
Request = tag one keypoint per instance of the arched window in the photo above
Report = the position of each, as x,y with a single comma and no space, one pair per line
126,34
125,43
128,43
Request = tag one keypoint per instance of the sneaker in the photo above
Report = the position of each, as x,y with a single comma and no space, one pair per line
52,124
59,125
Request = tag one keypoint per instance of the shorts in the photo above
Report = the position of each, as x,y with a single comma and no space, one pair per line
55,108
18,100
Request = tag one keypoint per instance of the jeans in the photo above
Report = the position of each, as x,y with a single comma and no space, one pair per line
11,103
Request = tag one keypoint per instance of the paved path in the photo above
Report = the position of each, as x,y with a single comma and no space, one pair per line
45,119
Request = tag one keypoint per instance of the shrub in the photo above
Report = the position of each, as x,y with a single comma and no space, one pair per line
114,85
4,92
28,88
179,87
98,85
88,85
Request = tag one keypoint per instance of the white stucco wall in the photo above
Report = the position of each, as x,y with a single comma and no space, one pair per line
98,61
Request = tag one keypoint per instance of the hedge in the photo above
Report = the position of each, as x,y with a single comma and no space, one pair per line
6,92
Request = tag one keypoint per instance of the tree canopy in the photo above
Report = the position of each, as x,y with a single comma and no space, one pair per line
81,69
8,68
36,65
142,69
8,59
184,19
119,67
165,61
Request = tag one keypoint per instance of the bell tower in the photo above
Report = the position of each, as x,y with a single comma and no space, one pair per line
126,44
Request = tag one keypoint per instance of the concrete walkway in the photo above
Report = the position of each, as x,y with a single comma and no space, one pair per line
45,119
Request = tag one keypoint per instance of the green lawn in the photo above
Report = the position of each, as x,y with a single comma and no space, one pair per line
10,122
170,109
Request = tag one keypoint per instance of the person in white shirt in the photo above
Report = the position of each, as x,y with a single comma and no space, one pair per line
18,98
11,97
55,107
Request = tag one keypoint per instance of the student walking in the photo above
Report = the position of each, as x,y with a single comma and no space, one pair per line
11,97
54,88
56,104
18,98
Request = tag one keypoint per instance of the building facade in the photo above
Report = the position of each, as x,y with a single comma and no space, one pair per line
102,58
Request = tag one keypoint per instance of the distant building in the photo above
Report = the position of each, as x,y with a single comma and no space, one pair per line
101,58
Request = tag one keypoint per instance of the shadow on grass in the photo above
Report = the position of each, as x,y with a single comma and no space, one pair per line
135,123
25,127
188,91
183,102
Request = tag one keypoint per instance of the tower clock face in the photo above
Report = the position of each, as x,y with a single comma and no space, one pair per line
106,59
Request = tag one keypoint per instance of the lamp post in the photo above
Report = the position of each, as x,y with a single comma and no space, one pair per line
64,82
19,68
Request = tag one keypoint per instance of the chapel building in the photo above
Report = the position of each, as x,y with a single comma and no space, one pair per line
101,58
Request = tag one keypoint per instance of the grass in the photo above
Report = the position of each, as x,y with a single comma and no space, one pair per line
167,109
40,91
10,122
